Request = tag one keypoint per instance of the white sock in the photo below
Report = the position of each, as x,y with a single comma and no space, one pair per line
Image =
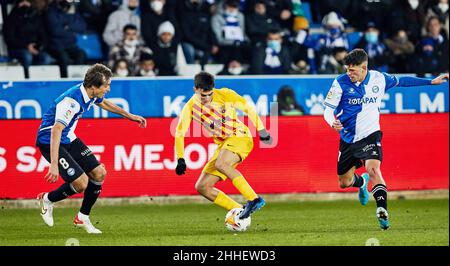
83,216
46,199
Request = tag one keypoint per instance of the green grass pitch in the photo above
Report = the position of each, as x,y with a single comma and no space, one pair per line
324,223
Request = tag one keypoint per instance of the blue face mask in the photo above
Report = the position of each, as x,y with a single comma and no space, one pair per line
335,31
274,45
371,37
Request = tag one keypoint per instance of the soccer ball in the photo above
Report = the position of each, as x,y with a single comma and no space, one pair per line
233,223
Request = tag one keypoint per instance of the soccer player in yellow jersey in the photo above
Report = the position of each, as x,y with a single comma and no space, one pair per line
215,109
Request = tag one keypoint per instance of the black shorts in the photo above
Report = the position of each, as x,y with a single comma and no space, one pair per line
355,154
74,159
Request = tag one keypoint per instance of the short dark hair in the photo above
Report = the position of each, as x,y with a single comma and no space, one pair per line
129,27
232,3
356,57
96,76
204,81
145,57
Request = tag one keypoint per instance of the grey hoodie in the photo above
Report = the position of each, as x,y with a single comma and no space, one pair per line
113,32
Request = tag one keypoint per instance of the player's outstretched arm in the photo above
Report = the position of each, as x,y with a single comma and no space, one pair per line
184,121
113,108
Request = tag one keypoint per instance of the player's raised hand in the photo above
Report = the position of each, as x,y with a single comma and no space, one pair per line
440,79
52,174
137,118
337,125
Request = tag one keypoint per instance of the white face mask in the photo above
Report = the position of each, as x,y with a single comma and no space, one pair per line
443,7
131,43
413,3
122,72
235,70
144,73
157,6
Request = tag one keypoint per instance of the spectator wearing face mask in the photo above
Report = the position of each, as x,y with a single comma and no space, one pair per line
286,103
432,51
228,26
375,48
63,22
128,13
334,36
25,35
233,67
400,50
154,13
120,68
258,23
272,57
130,48
146,66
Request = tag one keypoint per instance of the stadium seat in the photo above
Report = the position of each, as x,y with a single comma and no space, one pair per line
213,68
189,70
90,43
44,72
77,71
354,38
12,73
307,11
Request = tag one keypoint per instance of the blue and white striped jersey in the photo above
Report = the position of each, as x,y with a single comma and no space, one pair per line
357,106
66,109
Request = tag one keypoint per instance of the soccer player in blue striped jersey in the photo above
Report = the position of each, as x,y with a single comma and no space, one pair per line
68,155
352,108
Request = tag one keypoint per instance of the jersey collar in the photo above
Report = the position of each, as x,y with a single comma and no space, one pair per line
85,95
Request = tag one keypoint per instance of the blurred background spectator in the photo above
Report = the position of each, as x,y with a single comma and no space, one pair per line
154,13
128,13
438,9
25,35
63,22
120,69
334,36
432,56
401,51
130,48
146,66
335,63
198,40
232,67
375,48
229,28
165,50
286,103
258,23
272,57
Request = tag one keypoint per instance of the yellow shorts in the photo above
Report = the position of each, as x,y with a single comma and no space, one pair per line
242,146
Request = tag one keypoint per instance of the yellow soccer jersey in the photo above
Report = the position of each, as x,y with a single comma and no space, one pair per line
219,118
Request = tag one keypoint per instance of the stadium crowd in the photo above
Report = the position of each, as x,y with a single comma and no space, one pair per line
146,37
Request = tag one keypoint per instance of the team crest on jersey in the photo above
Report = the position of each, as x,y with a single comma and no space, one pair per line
72,105
330,95
375,89
68,113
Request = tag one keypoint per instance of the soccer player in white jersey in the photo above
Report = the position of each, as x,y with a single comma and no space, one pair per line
67,154
352,109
